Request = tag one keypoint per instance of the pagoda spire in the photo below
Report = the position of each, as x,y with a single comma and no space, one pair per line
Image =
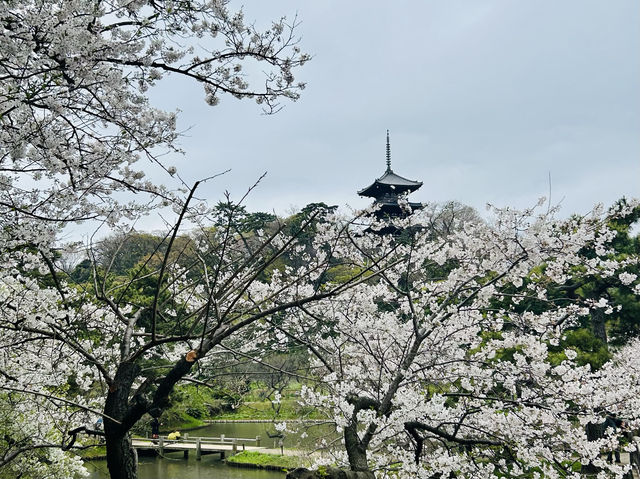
390,191
388,153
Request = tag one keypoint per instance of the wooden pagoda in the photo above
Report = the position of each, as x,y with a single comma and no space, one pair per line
388,191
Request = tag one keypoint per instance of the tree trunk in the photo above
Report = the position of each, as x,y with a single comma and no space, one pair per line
121,458
594,432
356,453
598,325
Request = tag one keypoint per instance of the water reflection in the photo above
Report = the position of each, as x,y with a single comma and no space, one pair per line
174,466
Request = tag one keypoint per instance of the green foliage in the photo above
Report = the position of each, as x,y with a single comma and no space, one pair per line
120,253
277,264
178,419
590,349
290,409
82,272
236,397
201,402
624,324
295,222
235,216
341,273
174,418
191,404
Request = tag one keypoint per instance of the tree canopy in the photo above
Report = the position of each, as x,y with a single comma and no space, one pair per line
455,348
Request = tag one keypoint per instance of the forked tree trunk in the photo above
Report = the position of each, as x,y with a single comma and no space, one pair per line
356,453
121,457
126,410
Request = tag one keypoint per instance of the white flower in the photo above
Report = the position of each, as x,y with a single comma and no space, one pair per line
627,278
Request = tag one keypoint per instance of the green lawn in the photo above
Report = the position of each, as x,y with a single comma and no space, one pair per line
262,460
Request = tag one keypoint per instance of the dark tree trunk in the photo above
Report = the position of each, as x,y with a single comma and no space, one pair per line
594,432
121,458
356,453
598,318
598,325
127,410
355,446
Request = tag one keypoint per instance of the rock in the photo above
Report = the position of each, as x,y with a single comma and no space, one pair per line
301,473
329,473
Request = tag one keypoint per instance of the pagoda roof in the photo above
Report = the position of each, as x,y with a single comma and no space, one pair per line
389,182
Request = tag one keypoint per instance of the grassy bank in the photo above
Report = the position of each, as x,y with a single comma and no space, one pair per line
260,460
93,453
172,421
182,423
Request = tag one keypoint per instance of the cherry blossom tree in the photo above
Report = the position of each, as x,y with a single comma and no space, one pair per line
442,366
98,353
74,113
430,363
75,125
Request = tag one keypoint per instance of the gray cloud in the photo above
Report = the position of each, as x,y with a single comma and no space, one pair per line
484,100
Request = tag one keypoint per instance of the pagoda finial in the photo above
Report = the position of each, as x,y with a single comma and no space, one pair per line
388,153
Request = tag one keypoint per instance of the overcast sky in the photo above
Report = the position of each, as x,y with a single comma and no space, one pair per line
485,100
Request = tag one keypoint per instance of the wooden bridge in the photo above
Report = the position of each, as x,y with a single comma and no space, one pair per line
200,445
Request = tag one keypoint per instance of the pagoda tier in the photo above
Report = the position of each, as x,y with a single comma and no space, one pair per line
389,189
390,183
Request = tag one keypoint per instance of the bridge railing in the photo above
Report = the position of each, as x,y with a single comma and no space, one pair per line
222,439
185,443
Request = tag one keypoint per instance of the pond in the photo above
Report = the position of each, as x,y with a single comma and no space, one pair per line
174,466
298,436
